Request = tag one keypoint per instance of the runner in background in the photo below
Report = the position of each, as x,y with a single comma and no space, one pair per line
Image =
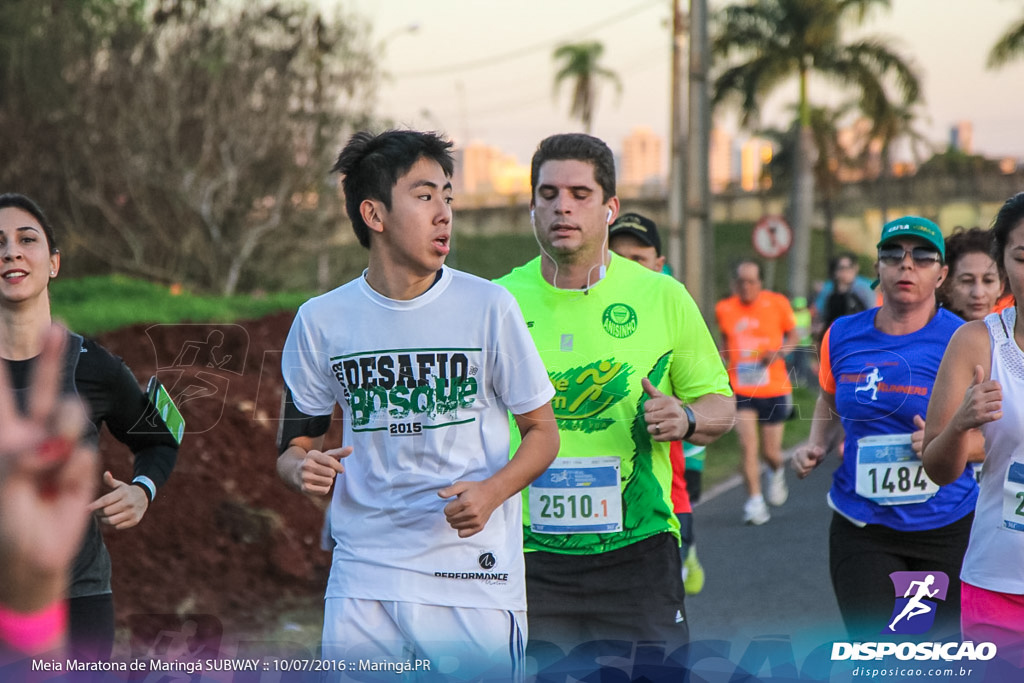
878,369
984,365
635,237
845,292
758,330
975,282
803,361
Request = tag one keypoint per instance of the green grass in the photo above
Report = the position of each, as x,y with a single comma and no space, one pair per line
723,456
92,305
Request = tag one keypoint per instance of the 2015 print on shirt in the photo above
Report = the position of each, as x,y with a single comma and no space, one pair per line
404,391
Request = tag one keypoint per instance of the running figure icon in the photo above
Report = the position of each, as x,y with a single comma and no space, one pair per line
915,607
871,383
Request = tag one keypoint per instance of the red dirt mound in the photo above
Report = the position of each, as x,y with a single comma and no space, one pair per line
224,537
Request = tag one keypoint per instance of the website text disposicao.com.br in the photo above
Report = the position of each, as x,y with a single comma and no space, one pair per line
952,659
912,672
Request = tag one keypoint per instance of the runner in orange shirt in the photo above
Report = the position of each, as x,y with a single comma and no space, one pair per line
758,327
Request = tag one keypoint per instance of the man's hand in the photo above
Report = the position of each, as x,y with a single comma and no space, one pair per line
319,468
123,507
663,414
474,502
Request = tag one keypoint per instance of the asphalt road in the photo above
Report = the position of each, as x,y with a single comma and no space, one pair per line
769,580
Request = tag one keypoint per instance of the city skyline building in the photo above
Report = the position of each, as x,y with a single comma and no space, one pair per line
961,137
755,154
643,159
720,151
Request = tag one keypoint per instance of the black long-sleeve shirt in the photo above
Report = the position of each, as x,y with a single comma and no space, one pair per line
113,397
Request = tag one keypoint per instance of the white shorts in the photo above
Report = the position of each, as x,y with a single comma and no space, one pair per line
376,640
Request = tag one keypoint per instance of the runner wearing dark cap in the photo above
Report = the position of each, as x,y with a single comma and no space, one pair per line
635,237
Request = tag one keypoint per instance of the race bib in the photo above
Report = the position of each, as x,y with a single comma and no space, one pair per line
752,374
1013,497
889,473
578,496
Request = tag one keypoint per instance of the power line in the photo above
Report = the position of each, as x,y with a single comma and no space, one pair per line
528,50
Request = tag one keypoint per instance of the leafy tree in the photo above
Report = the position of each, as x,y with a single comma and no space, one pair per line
893,122
833,158
581,67
45,47
767,43
1009,47
186,148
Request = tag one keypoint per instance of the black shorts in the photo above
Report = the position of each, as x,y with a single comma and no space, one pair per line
861,559
633,593
770,409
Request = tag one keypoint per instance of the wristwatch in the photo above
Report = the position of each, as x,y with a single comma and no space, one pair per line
692,420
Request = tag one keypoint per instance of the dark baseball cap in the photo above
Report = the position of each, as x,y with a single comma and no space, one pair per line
638,226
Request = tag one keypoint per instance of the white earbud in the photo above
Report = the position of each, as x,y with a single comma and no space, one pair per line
609,219
532,217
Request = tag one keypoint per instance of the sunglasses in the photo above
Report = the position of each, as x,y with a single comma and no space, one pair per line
923,256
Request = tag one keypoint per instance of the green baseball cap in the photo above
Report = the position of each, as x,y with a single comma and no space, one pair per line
914,226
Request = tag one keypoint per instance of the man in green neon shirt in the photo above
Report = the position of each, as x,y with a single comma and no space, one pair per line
634,368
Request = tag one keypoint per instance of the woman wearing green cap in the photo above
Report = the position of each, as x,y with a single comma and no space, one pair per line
877,372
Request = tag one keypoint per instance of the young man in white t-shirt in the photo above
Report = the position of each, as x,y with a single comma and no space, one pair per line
426,363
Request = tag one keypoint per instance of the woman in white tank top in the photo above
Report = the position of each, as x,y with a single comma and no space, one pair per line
979,393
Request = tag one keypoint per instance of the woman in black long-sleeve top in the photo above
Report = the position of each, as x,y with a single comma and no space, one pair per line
29,259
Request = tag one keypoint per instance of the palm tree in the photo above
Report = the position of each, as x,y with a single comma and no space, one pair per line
832,158
767,43
892,122
580,64
1009,47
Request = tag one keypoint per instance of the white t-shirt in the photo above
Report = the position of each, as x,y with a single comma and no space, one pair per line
425,387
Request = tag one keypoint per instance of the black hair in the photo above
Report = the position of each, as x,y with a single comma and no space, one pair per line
371,165
839,258
577,147
1009,217
20,201
963,242
960,243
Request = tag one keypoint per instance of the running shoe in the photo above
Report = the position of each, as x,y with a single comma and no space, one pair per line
777,492
755,512
693,573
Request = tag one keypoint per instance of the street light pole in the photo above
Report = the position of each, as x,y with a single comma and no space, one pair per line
700,238
676,171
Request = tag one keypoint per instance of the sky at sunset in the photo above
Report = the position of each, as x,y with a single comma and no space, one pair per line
483,70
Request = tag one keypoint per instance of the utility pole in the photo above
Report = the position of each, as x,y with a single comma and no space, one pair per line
700,237
677,145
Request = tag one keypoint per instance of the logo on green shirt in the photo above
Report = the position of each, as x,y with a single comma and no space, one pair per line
619,320
584,392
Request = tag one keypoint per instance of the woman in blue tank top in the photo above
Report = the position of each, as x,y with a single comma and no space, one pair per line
892,527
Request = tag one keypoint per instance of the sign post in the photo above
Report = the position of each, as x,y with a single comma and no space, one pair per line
772,238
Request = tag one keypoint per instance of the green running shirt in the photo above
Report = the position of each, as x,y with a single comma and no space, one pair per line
596,347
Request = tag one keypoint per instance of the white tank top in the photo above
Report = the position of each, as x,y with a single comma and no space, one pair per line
995,555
